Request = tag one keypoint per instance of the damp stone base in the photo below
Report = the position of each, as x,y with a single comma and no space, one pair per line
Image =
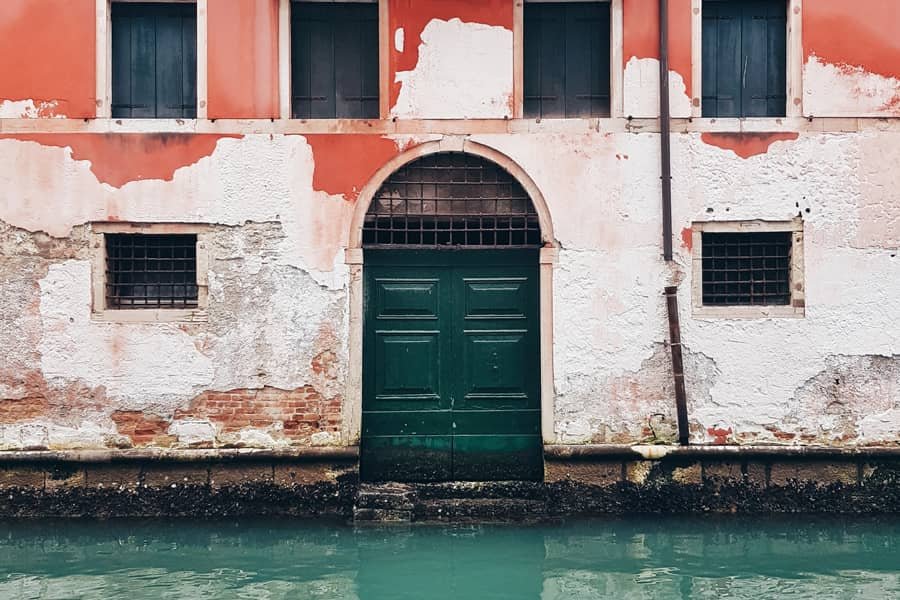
579,481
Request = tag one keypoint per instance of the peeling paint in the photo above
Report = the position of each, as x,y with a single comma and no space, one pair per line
464,70
119,158
641,55
336,175
29,109
746,144
413,16
838,90
641,90
48,70
843,76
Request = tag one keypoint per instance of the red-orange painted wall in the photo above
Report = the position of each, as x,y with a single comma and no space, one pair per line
242,60
414,15
47,54
862,33
640,24
118,158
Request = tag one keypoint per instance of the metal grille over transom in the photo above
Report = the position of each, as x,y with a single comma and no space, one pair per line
746,268
451,199
151,271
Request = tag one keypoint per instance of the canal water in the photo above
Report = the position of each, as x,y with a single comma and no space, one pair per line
648,557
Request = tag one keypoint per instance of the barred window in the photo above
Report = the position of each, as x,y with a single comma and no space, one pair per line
151,271
746,268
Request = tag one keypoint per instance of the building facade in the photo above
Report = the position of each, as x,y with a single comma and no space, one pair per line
434,229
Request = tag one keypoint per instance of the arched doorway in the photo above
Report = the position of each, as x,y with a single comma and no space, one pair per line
451,352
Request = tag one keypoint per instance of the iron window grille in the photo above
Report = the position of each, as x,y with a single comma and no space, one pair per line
151,271
451,199
746,268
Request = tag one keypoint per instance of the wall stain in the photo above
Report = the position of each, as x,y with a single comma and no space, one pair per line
746,145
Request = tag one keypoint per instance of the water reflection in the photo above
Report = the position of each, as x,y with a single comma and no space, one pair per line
631,558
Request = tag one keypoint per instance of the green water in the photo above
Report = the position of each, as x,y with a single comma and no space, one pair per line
630,558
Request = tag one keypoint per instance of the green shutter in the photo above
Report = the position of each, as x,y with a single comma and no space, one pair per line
744,58
566,60
154,60
334,60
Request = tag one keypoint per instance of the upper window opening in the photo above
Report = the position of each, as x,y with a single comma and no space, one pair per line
154,60
451,199
334,60
747,268
567,59
744,58
151,271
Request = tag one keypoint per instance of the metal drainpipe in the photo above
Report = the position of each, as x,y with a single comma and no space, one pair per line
665,119
677,364
665,154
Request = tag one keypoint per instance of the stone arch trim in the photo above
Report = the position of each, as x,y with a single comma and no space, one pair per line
367,193
352,404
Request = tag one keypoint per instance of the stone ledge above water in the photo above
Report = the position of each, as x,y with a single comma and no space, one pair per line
578,481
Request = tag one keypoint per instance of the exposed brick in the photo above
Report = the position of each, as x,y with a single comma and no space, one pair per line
142,428
300,412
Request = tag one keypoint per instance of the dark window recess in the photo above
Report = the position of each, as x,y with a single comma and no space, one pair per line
566,66
746,268
154,60
451,199
334,60
744,58
151,271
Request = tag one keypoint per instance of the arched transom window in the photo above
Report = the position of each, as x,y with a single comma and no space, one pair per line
451,199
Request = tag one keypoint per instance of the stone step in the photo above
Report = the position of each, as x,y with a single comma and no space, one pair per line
514,490
480,508
381,515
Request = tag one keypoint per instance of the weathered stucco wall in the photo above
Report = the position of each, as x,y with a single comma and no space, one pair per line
269,366
640,50
242,59
47,70
275,344
851,57
828,378
451,60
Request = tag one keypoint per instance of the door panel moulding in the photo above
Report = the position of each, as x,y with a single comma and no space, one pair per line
353,257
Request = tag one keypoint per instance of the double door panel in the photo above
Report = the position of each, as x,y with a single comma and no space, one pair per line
451,373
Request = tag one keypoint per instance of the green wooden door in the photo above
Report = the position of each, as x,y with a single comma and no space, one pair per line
451,368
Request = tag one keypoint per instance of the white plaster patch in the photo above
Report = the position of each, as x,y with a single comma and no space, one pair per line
86,433
641,90
831,90
464,71
193,431
28,109
266,327
399,39
251,437
154,367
